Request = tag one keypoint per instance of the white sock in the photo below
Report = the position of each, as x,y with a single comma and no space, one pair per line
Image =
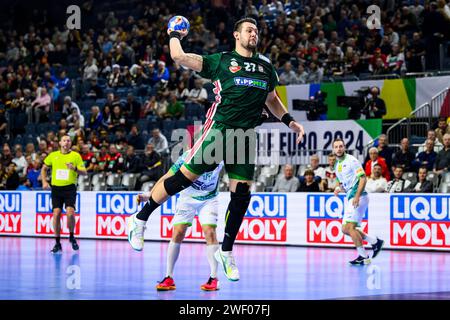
173,251
372,240
361,252
226,253
139,221
210,250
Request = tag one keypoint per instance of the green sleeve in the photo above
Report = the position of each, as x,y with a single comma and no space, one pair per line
360,174
359,169
210,65
48,160
274,80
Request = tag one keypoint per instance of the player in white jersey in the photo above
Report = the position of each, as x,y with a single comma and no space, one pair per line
352,179
201,198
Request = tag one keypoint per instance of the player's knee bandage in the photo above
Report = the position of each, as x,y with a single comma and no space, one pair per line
176,183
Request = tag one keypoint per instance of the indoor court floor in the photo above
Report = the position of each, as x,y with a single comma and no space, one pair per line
110,269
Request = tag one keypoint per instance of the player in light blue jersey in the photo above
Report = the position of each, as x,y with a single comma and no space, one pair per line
200,198
352,179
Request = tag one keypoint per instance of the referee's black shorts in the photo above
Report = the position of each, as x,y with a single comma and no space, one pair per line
64,195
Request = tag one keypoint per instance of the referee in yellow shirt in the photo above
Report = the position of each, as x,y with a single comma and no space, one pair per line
66,165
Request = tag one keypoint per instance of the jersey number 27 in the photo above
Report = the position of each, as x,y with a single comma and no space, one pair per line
250,67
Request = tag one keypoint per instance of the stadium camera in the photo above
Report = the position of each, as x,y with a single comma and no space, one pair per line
315,107
302,105
364,91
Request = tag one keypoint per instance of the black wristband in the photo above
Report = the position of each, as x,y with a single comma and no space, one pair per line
287,118
175,34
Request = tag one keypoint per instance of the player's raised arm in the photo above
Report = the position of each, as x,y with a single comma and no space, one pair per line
275,106
189,60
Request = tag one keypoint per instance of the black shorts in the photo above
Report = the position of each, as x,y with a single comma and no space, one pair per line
64,195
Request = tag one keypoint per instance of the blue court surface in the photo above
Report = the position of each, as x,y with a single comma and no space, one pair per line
110,269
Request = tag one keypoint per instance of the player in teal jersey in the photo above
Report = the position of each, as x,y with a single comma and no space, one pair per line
244,82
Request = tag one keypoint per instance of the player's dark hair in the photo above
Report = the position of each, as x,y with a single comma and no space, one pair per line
64,135
238,24
308,172
337,140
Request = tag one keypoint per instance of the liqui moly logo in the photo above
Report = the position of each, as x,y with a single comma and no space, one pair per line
10,212
44,215
422,221
324,219
265,219
112,210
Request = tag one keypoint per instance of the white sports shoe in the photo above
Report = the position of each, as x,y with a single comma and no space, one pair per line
135,230
228,264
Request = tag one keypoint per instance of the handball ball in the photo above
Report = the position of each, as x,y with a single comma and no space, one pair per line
178,23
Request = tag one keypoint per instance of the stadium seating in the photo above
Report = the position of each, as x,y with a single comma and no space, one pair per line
271,170
98,178
258,186
434,179
444,187
30,129
147,186
99,187
129,180
446,177
267,180
410,176
301,169
55,117
113,181
143,124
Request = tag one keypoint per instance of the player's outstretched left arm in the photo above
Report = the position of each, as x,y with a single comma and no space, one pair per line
275,106
189,60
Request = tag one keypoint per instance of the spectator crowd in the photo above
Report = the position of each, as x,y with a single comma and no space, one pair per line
386,170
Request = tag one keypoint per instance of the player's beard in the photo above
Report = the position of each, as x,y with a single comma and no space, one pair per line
339,156
251,45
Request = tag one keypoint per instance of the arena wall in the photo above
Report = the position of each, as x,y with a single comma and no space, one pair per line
406,221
